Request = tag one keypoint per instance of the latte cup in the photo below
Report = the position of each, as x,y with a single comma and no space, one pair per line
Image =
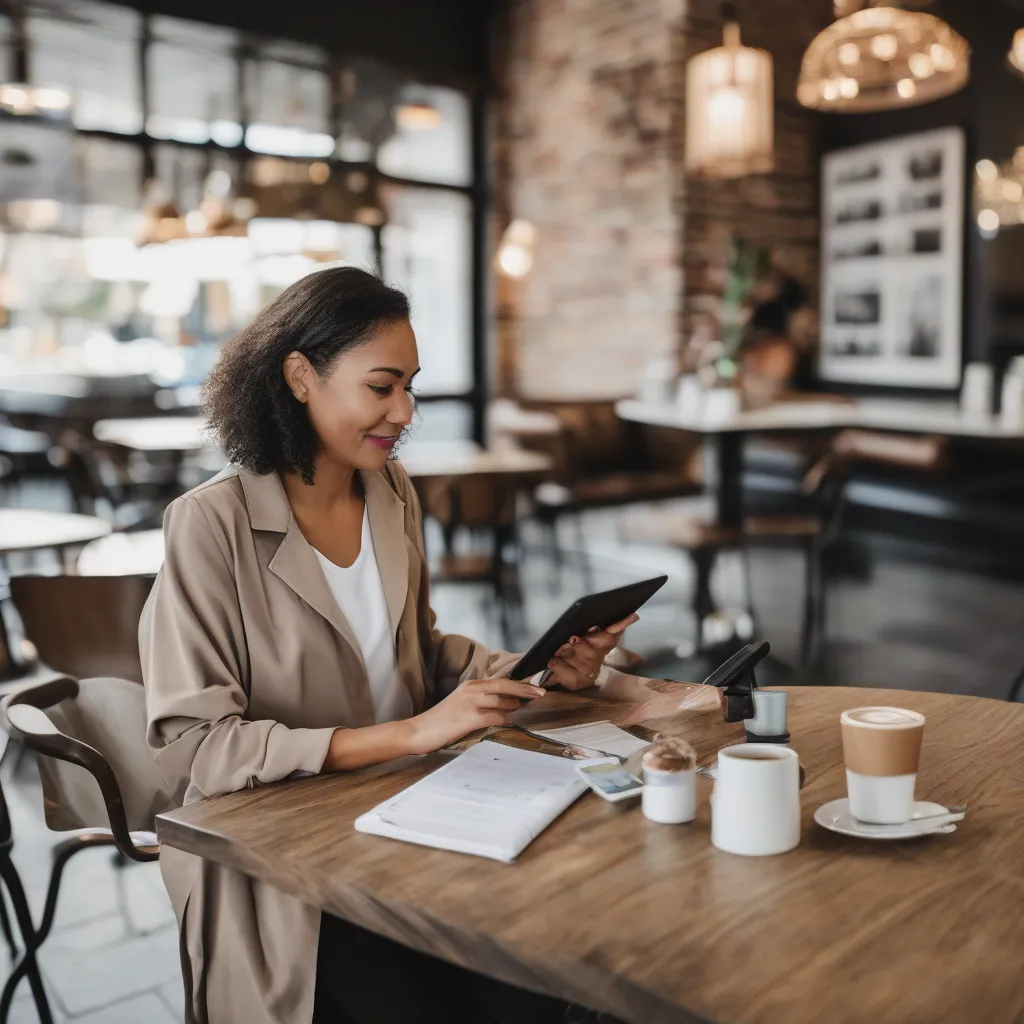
881,747
755,808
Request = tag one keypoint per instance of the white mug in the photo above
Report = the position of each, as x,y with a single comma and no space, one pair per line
755,808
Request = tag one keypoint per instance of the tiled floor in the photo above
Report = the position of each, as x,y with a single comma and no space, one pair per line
112,957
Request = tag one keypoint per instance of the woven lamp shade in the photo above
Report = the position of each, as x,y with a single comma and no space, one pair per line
883,57
729,110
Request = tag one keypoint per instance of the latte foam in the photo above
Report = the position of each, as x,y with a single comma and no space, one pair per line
883,718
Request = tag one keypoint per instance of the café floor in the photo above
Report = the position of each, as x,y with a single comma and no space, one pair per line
112,957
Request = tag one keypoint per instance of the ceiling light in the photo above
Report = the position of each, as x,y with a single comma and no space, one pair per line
885,46
848,54
515,253
986,170
1016,54
417,117
729,109
902,57
988,221
921,65
319,172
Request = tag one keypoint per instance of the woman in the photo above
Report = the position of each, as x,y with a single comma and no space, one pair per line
290,632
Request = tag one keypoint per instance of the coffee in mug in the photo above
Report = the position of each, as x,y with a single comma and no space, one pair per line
881,747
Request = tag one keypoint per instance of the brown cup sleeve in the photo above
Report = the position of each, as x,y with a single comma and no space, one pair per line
882,752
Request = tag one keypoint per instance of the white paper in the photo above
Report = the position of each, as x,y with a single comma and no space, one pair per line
600,737
491,801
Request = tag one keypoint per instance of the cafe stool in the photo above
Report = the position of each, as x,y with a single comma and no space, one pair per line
98,725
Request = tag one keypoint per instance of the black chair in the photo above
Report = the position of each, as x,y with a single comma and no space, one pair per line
86,735
483,504
1017,689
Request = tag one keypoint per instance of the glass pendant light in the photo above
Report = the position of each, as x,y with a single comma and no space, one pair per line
1016,54
879,57
729,108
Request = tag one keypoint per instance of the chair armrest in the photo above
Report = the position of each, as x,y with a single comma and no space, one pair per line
26,720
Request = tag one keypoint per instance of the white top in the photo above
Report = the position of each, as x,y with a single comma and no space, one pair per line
360,596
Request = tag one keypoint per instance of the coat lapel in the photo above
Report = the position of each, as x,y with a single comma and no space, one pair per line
294,562
387,528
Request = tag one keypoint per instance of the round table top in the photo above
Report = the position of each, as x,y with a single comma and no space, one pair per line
654,924
464,458
155,434
140,552
30,529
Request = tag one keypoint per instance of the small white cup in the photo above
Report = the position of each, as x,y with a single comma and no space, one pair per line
755,808
669,798
769,714
977,389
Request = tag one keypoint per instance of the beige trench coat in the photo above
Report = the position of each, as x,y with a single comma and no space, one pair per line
249,667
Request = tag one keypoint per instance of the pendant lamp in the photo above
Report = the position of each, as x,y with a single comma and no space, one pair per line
729,108
876,57
1016,54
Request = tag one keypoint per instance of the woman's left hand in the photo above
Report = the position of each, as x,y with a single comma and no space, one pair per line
576,664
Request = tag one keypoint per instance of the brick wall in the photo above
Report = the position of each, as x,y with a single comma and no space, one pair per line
588,146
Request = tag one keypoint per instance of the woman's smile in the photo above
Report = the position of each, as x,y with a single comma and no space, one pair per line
384,441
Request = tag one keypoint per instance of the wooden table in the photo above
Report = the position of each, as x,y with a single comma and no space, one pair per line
652,923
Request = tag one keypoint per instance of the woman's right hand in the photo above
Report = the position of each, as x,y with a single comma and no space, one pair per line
474,704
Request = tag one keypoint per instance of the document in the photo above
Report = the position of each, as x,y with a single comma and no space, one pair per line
491,801
599,737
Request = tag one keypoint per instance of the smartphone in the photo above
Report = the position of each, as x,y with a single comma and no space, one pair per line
609,779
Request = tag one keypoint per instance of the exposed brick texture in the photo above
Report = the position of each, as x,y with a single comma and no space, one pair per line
588,146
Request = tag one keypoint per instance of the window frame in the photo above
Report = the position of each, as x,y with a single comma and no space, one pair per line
250,48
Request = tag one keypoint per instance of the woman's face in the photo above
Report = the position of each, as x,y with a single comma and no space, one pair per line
360,408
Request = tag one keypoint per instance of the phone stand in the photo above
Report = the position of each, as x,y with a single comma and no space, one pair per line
739,698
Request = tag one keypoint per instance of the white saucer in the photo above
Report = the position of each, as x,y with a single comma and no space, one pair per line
836,817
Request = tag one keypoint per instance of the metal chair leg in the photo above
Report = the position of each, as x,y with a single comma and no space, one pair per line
27,965
1017,690
5,925
811,628
581,541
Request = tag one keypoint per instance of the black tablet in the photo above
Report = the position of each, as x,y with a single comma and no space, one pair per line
600,610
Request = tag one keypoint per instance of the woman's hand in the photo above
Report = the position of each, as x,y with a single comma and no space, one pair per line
577,663
474,704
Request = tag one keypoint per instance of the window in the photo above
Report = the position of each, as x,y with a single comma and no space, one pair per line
193,83
278,158
288,97
427,253
431,140
94,56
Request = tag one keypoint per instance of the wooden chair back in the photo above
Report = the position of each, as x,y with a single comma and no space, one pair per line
84,626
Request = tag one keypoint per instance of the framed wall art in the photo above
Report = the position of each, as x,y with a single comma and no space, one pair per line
892,262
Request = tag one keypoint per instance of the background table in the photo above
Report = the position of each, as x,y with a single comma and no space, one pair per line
154,434
729,432
651,922
30,529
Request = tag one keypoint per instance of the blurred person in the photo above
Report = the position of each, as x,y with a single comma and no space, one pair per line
773,357
290,633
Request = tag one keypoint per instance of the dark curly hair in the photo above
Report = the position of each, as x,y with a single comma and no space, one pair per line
249,407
